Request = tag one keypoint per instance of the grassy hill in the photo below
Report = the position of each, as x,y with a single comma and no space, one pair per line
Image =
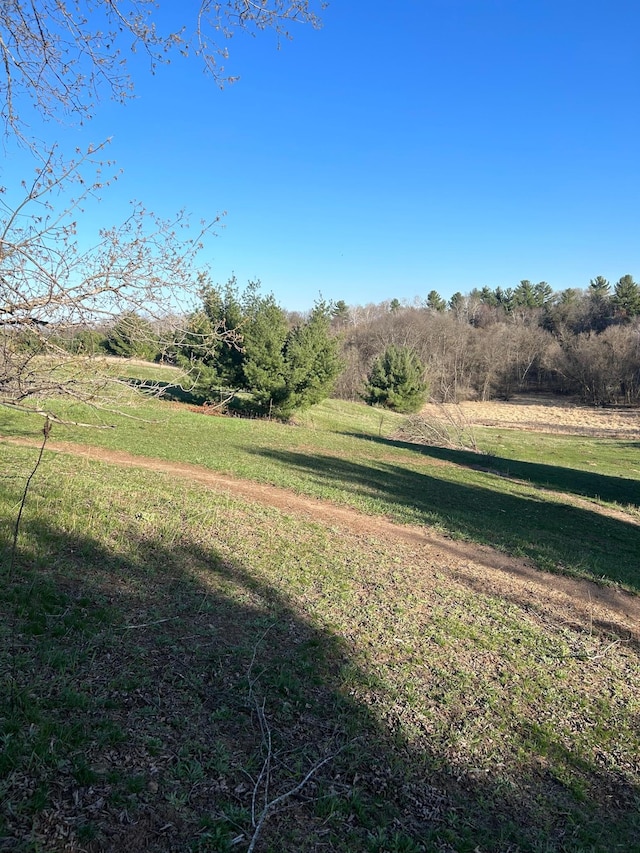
175,661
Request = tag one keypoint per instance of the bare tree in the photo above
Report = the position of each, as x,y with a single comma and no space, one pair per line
50,286
59,55
604,368
505,357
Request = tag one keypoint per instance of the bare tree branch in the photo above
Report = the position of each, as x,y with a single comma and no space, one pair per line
51,285
262,783
60,54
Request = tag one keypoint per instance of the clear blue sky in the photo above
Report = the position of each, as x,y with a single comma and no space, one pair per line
407,146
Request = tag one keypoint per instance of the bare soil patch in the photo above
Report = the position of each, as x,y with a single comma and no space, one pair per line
545,414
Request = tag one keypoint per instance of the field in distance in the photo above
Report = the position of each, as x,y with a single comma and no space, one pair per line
549,414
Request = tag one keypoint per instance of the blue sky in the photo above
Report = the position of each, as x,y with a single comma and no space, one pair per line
407,146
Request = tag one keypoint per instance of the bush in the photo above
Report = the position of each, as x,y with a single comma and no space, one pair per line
396,381
133,337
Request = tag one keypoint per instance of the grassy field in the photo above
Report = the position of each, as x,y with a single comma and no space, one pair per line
173,660
529,495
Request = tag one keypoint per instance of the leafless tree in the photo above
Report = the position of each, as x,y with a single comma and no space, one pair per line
505,356
59,56
50,285
604,368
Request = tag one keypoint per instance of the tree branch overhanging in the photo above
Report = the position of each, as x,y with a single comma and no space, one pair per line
60,56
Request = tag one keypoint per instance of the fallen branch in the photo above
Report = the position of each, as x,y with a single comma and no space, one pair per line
271,806
264,777
451,429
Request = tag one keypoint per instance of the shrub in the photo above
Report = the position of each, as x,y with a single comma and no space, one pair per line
396,381
132,336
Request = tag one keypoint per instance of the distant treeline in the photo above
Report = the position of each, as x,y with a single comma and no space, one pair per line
484,345
495,343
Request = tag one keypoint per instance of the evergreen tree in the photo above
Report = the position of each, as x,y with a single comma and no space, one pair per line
223,309
505,298
542,293
396,381
457,304
265,334
340,314
132,336
626,297
524,295
601,305
599,287
312,362
489,297
282,369
435,302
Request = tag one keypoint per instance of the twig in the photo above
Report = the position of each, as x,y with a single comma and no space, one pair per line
16,530
253,658
264,777
279,800
149,624
606,649
265,771
46,429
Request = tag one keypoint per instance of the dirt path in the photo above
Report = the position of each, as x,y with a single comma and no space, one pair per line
573,602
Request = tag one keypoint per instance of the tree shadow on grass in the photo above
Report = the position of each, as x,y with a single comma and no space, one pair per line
570,480
165,390
130,721
555,535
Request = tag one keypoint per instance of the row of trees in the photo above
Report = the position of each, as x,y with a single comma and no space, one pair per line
593,309
485,344
244,346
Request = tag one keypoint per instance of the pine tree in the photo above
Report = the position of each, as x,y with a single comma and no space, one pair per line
265,335
626,297
435,302
312,361
396,381
132,336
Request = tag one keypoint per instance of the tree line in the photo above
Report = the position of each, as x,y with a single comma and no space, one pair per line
243,347
491,344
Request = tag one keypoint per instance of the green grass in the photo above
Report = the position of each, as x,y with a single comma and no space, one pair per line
526,495
145,615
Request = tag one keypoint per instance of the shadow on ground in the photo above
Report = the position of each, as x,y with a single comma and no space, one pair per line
570,480
153,694
165,390
555,535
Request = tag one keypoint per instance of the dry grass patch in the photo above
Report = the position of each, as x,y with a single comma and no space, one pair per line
545,414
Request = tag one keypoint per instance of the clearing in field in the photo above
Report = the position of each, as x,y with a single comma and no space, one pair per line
204,614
